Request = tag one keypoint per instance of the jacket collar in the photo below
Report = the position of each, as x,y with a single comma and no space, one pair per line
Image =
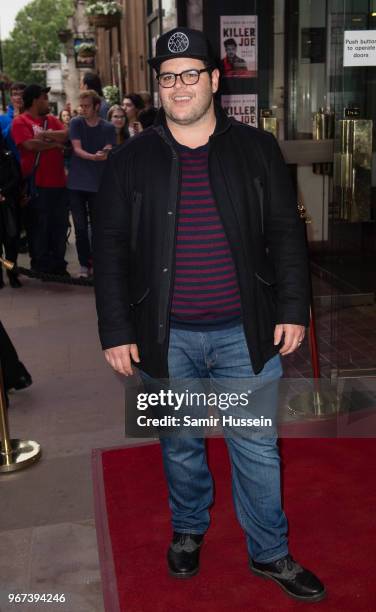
222,125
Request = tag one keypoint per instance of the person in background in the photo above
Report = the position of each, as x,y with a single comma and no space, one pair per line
40,139
133,104
91,81
116,115
65,116
92,138
147,116
10,195
147,99
15,108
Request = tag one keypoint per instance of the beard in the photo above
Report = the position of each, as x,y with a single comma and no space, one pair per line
194,115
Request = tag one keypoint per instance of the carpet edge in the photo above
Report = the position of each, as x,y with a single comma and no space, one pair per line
106,559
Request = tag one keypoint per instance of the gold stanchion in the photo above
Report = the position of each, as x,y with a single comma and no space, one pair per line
318,403
8,265
14,454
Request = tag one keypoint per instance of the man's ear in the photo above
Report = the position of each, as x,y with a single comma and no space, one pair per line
215,80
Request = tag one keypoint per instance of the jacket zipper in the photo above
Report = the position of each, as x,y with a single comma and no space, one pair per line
173,258
163,332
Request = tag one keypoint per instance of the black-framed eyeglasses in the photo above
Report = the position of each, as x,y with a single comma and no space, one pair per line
188,77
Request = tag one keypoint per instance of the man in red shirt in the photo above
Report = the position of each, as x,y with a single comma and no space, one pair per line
40,139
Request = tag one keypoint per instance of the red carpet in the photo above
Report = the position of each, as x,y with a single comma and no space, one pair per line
329,498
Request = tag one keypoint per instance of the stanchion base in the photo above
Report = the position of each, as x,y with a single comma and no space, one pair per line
318,404
23,454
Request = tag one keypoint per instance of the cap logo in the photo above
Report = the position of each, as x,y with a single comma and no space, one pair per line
178,42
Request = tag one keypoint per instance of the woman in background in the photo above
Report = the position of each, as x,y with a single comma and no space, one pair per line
65,117
133,104
116,115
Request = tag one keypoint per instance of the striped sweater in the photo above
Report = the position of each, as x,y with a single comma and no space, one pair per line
205,293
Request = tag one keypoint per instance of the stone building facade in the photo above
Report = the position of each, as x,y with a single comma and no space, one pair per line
120,57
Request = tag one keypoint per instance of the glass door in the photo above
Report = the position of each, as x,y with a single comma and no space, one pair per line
342,235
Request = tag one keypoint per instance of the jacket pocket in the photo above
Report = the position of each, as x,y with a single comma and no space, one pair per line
264,280
138,301
136,215
265,273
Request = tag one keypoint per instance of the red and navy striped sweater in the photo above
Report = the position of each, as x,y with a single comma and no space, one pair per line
206,293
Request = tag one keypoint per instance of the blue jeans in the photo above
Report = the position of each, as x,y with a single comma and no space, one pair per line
222,355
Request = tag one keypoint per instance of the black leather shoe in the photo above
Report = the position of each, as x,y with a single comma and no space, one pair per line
22,380
294,579
183,556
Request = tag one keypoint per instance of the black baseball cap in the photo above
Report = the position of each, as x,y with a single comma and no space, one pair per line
182,42
32,92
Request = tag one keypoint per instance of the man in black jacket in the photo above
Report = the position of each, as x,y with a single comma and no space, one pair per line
201,272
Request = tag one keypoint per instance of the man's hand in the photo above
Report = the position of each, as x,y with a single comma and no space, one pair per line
100,156
119,358
293,337
36,145
137,126
106,150
53,135
43,136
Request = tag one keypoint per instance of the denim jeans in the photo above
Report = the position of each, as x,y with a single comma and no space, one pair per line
81,205
222,355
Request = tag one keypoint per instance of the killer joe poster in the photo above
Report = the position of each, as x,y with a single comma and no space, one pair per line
242,107
239,46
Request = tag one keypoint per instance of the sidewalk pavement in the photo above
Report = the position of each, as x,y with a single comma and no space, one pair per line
76,403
